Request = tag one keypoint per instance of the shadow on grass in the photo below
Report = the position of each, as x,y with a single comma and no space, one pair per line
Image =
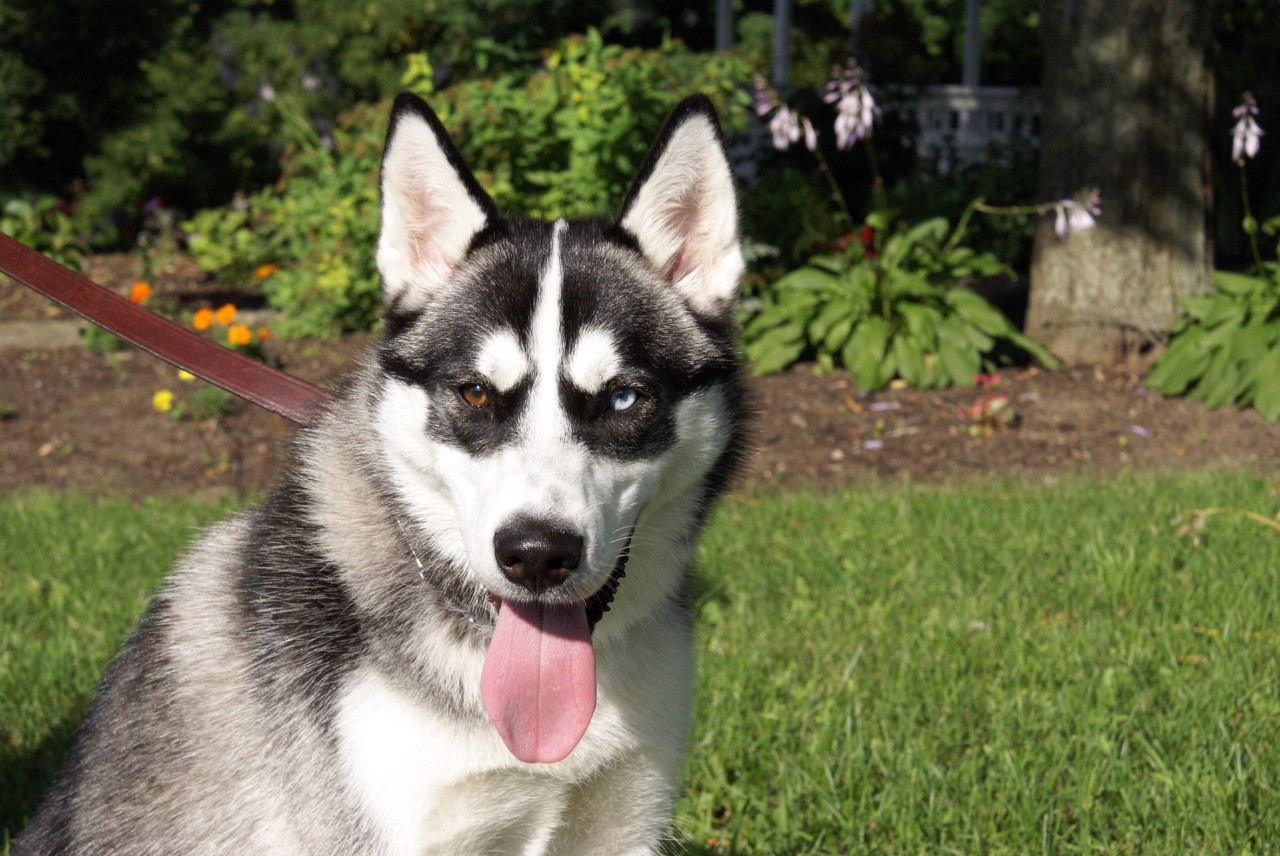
25,776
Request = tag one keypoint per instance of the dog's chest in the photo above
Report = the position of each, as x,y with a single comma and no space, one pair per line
433,784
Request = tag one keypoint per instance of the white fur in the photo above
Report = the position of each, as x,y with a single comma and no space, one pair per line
594,360
428,218
685,217
502,361
431,785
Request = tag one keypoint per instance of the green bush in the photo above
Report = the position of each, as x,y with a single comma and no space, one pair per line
564,140
1225,347
890,306
567,141
42,225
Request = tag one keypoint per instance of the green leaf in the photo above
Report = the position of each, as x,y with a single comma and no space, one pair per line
933,230
838,334
829,263
912,285
923,321
909,356
1266,393
831,314
864,352
776,350
1038,352
978,312
959,364
806,279
1210,386
1238,284
1222,309
1182,363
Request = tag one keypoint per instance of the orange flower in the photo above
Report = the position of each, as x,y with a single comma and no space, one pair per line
203,318
265,271
140,292
239,335
225,314
263,334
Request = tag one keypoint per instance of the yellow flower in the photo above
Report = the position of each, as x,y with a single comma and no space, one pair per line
239,335
265,271
263,334
185,376
162,401
140,292
225,314
202,319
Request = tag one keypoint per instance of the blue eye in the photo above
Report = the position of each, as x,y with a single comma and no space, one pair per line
623,398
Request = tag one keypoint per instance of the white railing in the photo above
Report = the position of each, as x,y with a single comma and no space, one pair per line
959,124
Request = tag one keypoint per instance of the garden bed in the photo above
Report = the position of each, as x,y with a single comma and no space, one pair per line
80,419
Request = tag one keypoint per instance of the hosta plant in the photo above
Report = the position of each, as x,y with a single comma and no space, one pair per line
888,306
1225,347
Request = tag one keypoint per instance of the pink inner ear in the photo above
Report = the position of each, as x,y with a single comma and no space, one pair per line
426,256
679,266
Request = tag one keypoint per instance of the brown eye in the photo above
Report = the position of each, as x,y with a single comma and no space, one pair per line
475,395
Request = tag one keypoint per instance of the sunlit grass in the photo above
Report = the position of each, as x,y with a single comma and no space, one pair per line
988,667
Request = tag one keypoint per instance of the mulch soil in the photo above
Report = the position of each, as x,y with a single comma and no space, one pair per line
75,418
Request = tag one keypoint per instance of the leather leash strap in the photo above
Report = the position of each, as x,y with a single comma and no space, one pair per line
248,378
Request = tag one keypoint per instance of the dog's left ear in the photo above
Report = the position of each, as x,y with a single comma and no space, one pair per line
683,212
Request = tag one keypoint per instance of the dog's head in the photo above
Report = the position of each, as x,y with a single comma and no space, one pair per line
558,391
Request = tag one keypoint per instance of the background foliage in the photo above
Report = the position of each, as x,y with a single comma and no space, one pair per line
564,138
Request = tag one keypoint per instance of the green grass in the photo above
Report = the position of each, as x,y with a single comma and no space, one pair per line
984,668
75,574
989,668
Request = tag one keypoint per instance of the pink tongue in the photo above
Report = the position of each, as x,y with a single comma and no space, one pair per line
539,680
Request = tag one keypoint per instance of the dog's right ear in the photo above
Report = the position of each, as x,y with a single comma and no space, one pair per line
432,206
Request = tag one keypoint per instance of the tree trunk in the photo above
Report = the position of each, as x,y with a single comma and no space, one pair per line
1126,92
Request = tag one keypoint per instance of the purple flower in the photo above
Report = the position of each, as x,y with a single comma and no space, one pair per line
1072,216
810,135
765,100
267,92
785,127
856,110
1246,136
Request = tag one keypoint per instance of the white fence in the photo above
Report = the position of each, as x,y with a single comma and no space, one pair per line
958,124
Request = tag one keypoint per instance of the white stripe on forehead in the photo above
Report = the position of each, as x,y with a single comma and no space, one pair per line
502,361
544,335
594,360
545,345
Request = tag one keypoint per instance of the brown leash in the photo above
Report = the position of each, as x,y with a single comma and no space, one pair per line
248,378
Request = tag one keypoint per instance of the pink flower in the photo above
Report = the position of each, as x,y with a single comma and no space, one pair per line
1072,216
856,110
1246,136
785,127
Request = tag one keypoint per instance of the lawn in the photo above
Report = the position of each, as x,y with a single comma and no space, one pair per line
984,667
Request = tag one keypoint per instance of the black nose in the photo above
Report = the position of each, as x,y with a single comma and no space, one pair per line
537,554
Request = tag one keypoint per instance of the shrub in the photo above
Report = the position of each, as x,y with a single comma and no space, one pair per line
561,142
1225,347
43,225
889,306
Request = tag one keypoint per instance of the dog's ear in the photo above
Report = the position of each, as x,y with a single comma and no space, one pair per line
683,212
432,205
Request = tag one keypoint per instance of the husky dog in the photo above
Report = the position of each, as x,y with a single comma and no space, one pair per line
460,624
